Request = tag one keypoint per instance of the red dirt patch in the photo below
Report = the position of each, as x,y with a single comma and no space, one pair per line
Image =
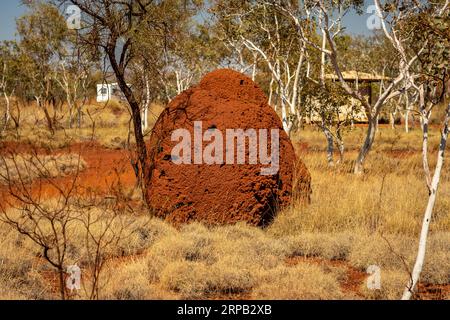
432,292
106,170
355,278
303,147
351,283
12,147
222,193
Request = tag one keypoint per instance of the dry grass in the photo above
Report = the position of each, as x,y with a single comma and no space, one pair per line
160,262
389,198
27,167
392,286
109,124
358,221
19,276
303,281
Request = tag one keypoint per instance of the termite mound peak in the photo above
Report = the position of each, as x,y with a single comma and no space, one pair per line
222,193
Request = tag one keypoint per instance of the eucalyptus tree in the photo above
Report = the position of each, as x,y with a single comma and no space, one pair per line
375,55
331,110
226,32
73,72
162,74
426,26
330,26
281,34
9,71
115,30
41,34
255,30
196,53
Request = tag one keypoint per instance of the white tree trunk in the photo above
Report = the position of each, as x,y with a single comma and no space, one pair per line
407,114
407,121
424,120
271,92
370,137
330,145
340,143
322,58
255,62
8,111
392,120
409,290
294,99
177,75
3,87
144,116
284,117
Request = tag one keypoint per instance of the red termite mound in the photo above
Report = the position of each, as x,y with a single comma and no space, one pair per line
225,192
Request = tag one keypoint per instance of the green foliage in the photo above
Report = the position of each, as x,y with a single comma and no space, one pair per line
328,102
41,31
10,65
432,31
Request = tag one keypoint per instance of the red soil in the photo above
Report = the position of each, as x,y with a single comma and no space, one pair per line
351,283
432,292
222,193
355,278
108,168
106,171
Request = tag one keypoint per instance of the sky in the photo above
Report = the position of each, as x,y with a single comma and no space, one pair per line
9,11
12,9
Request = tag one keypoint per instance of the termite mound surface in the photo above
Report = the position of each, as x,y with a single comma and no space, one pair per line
193,182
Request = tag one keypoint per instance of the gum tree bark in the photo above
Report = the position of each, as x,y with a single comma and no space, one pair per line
146,104
410,288
3,87
141,149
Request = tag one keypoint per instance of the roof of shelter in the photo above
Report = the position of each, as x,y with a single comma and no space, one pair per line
358,75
